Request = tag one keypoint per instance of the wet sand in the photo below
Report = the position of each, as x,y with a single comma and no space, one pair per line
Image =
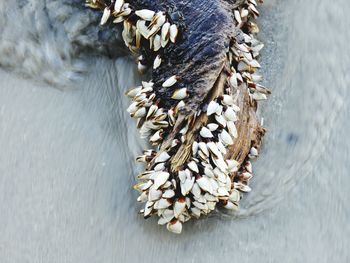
67,160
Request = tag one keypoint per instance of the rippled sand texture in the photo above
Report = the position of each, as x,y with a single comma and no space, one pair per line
67,155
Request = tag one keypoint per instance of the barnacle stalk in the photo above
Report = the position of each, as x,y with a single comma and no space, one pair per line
199,108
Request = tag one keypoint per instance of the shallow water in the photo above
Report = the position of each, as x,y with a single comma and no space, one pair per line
67,159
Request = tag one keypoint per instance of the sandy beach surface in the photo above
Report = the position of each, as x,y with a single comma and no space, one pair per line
67,160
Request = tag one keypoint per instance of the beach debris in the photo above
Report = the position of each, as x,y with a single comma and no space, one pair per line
207,179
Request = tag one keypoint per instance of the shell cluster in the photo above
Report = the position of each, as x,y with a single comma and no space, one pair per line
207,179
140,27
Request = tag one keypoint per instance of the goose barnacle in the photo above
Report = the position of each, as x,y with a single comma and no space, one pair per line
175,226
193,166
161,178
157,62
173,33
230,206
170,81
205,184
226,138
187,186
196,191
105,16
168,194
253,152
212,107
118,5
206,133
145,14
165,31
180,94
163,157
189,173
179,206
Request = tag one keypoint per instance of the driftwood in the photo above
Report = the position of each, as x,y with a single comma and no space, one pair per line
201,56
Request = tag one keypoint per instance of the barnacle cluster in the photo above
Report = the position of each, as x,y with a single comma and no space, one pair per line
191,169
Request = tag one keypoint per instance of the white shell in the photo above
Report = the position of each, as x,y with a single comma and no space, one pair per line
214,149
226,138
242,187
194,148
140,113
193,166
223,192
133,92
231,206
235,196
164,42
203,148
227,100
144,186
119,19
151,111
182,176
159,167
118,5
205,184
165,31
148,208
145,14
209,172
221,164
196,191
162,204
196,212
230,114
221,120
246,176
244,13
233,80
157,62
143,197
254,64
179,94
163,221
142,28
161,18
175,227
147,87
212,126
232,164
206,133
170,81
156,137
163,157
154,194
187,186
179,207
168,194
232,129
212,107
105,16
160,179
259,96
221,147
254,152
156,43
173,33
238,16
